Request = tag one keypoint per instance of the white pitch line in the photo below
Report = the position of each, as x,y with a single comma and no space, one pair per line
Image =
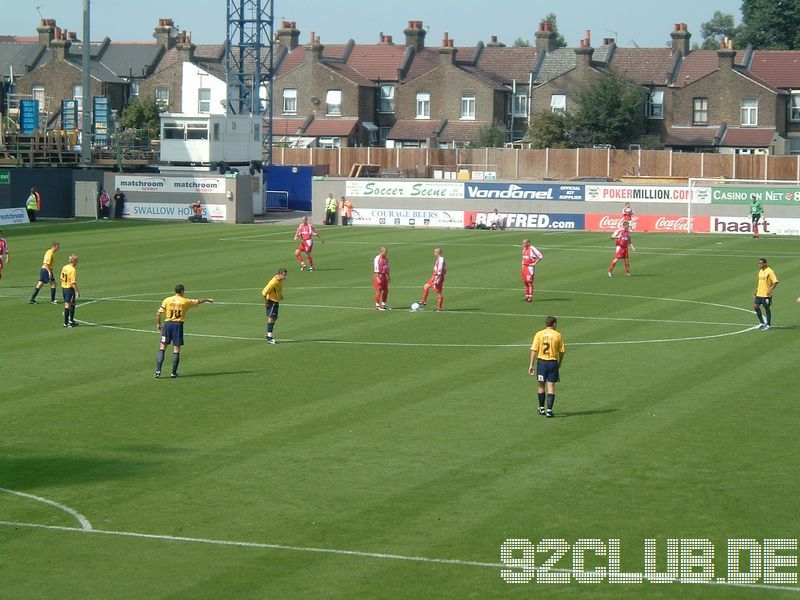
471,313
333,551
83,521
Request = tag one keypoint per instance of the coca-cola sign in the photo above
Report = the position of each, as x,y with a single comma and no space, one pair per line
672,224
643,223
611,223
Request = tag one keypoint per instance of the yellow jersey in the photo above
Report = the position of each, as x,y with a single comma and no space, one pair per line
176,306
47,261
274,290
69,277
766,279
548,344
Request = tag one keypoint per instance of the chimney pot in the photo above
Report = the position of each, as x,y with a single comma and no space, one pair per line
494,39
608,41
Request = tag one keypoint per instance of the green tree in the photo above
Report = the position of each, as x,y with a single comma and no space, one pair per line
770,25
720,26
560,42
142,115
520,43
610,111
549,130
492,136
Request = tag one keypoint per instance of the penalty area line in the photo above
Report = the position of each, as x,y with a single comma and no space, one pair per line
332,551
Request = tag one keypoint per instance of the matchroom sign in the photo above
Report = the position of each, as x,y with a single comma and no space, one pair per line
172,185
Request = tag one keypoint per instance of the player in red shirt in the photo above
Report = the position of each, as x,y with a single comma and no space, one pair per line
623,237
627,213
436,281
380,268
306,234
530,256
3,253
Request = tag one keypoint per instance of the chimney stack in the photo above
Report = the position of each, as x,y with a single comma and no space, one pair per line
314,48
681,39
386,39
185,47
584,52
415,35
46,31
288,35
60,45
726,53
164,33
545,38
447,53
493,43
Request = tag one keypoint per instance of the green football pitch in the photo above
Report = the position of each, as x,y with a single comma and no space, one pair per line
392,454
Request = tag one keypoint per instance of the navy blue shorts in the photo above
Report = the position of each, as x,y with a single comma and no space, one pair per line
44,276
756,217
68,294
272,308
172,333
547,370
761,301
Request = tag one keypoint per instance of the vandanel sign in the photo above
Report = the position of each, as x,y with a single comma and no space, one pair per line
522,191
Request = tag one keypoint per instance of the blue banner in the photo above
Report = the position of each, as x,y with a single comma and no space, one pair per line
522,191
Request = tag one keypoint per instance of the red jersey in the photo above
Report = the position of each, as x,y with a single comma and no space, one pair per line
3,247
623,238
380,265
627,213
439,267
305,232
530,256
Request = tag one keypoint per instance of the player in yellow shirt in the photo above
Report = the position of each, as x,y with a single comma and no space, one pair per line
273,294
174,309
767,280
69,290
46,274
547,354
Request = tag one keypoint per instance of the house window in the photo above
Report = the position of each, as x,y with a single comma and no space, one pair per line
700,111
290,101
749,112
520,105
655,105
387,99
383,133
162,98
134,89
794,145
333,103
794,106
558,104
204,100
329,142
423,105
77,95
468,105
38,94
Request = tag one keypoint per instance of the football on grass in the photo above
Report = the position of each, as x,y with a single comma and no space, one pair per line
415,306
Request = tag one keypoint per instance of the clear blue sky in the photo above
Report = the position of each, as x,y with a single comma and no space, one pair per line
647,23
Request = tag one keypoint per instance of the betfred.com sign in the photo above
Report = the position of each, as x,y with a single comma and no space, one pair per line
406,217
655,223
515,220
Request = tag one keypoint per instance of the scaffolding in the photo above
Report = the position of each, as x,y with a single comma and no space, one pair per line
249,62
